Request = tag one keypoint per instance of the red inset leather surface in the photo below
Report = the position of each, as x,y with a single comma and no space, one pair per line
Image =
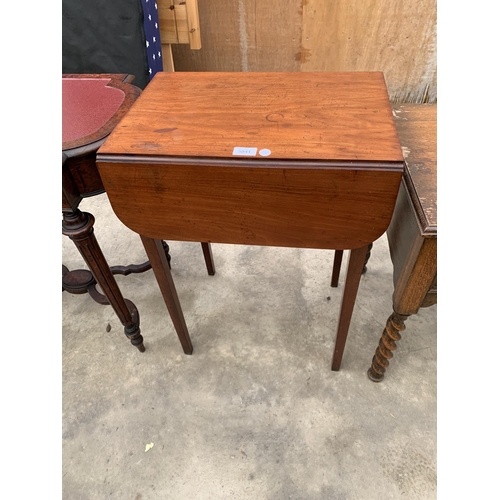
87,104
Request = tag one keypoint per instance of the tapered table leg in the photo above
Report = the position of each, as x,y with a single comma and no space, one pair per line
337,264
355,268
156,255
78,226
209,259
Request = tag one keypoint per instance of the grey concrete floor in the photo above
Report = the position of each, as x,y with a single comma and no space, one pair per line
255,412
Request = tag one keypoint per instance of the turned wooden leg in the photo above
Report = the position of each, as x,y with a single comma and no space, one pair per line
354,269
209,259
367,257
159,263
387,344
337,264
78,226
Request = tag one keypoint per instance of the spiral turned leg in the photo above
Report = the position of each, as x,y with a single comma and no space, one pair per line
387,344
367,258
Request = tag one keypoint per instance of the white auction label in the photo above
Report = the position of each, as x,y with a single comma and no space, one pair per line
237,151
265,152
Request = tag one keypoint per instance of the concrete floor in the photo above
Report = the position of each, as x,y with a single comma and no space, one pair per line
255,412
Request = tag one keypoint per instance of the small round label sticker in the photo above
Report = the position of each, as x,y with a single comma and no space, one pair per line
265,152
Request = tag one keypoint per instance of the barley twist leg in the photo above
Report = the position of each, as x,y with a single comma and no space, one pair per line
387,344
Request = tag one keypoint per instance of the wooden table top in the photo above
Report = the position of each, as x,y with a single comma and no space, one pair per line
330,178
261,116
417,125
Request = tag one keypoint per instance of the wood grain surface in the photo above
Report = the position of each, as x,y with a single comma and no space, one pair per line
417,130
273,205
395,37
306,116
321,169
330,180
245,35
398,38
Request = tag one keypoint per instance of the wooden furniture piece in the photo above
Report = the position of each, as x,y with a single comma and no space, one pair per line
92,106
306,160
337,264
412,233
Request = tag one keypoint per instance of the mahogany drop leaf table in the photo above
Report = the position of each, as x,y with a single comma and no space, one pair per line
308,160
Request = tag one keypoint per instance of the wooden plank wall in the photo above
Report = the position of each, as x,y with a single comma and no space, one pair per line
397,37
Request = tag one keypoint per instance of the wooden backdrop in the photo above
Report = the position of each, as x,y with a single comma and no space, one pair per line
397,37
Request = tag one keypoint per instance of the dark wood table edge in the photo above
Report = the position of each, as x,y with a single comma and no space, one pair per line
152,159
427,229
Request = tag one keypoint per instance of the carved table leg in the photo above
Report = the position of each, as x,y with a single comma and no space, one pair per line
78,226
367,258
354,269
387,344
164,279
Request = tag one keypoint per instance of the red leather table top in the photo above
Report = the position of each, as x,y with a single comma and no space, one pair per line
87,105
